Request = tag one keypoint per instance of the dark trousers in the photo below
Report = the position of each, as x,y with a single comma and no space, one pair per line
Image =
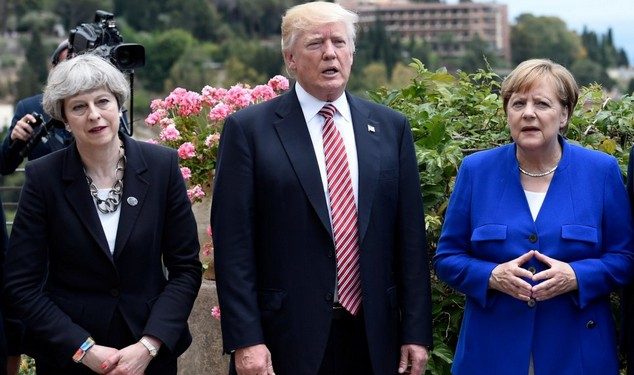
347,348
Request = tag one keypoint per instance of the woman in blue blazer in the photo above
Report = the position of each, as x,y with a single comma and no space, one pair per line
97,224
537,234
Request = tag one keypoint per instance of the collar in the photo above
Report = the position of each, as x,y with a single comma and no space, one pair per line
311,105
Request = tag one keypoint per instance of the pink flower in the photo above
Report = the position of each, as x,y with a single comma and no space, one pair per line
212,140
152,141
186,172
207,249
157,104
170,133
156,117
215,312
187,150
278,83
209,230
219,112
186,103
238,97
212,96
262,93
195,193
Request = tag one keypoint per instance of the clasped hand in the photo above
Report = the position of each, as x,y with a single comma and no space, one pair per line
131,360
510,278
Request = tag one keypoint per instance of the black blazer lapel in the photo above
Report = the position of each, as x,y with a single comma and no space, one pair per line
134,191
78,196
366,134
293,133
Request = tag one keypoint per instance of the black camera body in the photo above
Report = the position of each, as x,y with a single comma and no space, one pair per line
40,129
103,38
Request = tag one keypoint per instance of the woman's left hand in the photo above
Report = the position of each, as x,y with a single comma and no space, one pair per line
131,360
558,279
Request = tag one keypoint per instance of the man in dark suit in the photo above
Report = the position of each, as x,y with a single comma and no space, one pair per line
319,238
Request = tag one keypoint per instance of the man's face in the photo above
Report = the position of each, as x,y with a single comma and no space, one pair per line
321,60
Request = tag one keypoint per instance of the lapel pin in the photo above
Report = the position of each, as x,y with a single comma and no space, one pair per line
371,129
132,201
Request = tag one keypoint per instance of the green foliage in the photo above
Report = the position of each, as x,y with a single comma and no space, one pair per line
544,37
454,115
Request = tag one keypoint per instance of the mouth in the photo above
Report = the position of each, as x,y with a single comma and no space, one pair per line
330,71
530,129
97,129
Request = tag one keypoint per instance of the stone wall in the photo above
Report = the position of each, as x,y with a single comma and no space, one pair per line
204,356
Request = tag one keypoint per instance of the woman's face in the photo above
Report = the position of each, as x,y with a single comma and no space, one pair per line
93,117
536,116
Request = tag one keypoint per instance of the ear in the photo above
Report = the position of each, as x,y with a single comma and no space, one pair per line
289,59
563,121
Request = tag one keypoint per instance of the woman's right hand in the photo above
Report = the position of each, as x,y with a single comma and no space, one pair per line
96,355
509,277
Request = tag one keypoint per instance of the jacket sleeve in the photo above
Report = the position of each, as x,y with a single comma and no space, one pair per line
10,158
232,216
26,270
169,314
411,245
454,262
597,277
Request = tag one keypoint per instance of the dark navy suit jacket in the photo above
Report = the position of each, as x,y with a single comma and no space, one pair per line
585,221
61,278
274,252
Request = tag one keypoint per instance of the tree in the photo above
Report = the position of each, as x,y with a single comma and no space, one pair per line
587,72
162,50
74,12
546,37
196,68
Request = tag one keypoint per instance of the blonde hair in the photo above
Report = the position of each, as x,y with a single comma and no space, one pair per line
530,72
304,17
80,74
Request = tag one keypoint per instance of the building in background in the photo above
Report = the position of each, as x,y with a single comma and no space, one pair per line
447,28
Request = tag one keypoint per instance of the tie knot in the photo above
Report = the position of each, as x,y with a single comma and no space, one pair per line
328,110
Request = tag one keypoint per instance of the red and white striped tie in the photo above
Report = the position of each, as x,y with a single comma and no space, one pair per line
343,212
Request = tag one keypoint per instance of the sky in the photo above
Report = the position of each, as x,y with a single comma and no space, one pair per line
596,15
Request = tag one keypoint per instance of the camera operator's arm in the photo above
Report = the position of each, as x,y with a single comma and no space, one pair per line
10,157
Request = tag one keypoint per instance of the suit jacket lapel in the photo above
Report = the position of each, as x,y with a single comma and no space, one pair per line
134,191
293,133
368,158
78,196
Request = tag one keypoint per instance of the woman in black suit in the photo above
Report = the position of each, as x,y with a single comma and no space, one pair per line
97,224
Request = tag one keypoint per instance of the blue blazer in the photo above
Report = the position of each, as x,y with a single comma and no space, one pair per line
585,220
274,252
68,287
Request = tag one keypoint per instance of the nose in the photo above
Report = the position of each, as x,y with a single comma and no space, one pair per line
529,111
93,111
329,49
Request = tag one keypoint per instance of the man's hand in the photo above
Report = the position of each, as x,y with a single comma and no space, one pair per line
23,129
413,359
509,277
559,278
254,360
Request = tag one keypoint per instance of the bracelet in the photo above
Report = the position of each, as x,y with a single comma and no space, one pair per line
83,349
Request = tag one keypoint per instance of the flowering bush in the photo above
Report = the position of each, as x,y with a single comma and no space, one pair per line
191,123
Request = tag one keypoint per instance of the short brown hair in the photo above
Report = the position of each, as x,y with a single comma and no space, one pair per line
529,72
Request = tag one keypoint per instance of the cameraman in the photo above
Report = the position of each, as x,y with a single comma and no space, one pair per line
21,130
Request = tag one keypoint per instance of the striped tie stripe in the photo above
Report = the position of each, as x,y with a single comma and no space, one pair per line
343,214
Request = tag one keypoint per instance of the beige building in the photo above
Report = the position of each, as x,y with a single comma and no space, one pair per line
447,28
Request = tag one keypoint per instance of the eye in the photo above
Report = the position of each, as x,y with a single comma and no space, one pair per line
542,104
517,104
78,109
313,45
103,102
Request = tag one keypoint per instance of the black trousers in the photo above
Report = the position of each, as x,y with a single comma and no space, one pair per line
347,348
